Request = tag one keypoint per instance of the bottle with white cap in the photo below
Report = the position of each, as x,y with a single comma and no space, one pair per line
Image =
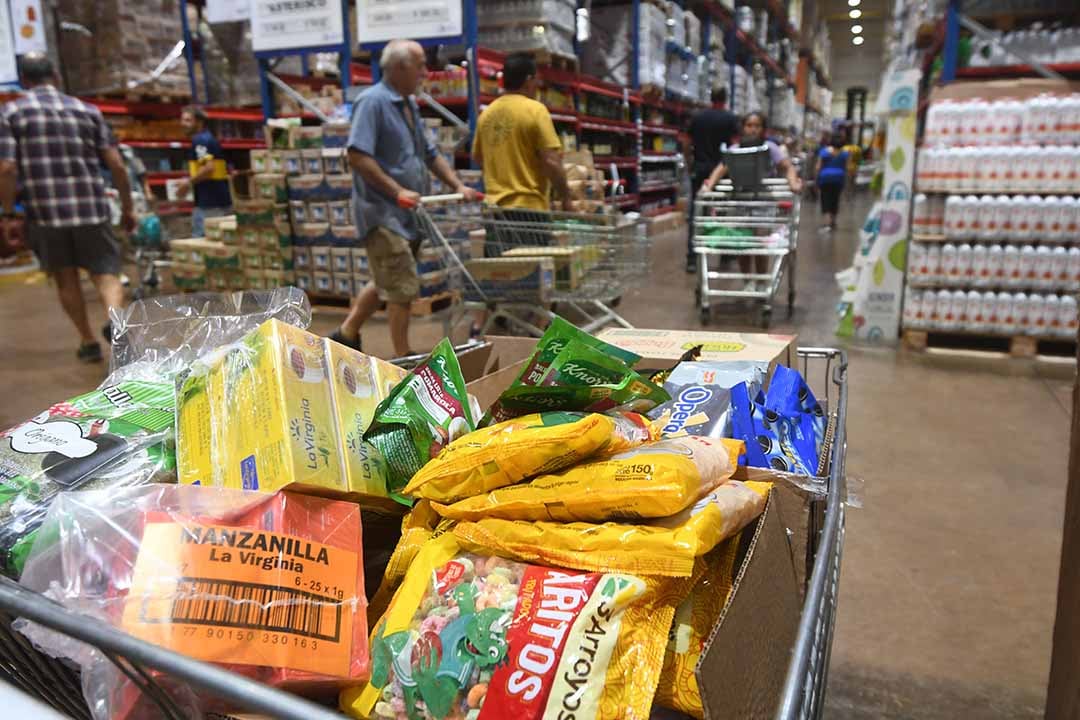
951,308
971,216
1036,315
1028,270
1036,218
980,265
1044,267
1070,221
1022,217
1059,267
912,304
948,263
1052,212
932,308
920,214
964,264
933,264
1052,315
1006,312
1020,311
995,265
1068,317
1074,269
973,316
953,212
1003,212
1037,182
916,260
1072,176
1008,158
1011,266
988,228
990,311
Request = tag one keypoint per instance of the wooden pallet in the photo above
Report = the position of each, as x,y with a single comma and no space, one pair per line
566,63
1017,346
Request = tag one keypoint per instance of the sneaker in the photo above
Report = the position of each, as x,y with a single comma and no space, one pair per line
106,332
691,266
337,337
89,353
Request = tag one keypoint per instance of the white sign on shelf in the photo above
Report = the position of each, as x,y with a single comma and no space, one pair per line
219,11
382,20
295,24
29,32
9,70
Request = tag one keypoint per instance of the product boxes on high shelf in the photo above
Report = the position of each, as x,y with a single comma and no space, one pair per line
283,409
609,55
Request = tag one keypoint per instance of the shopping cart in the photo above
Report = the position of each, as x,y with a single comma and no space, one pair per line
735,224
525,261
803,692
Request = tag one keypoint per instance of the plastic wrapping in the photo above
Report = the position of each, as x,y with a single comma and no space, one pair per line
666,546
518,449
269,586
468,634
654,480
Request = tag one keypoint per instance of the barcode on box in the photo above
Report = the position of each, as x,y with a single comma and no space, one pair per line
255,606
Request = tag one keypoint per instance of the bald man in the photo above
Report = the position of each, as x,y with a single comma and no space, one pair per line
390,153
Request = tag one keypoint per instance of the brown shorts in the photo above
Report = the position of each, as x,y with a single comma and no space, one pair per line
393,267
92,247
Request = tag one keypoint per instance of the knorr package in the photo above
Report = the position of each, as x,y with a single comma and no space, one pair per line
471,636
516,449
654,480
268,586
421,416
694,621
554,341
118,435
666,546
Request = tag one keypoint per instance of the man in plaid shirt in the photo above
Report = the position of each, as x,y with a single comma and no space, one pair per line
52,147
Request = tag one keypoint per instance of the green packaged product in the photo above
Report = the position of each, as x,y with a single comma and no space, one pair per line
581,364
633,393
555,340
117,435
420,416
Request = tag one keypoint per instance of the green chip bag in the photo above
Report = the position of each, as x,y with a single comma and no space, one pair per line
420,416
558,335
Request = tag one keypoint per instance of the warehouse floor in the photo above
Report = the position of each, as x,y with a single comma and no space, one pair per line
950,570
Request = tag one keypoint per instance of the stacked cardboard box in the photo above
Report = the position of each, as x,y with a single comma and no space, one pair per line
540,25
609,55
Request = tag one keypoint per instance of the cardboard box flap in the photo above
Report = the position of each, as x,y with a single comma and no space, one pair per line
671,344
744,663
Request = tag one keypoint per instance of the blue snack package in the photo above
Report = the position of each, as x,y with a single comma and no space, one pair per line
701,396
773,440
789,395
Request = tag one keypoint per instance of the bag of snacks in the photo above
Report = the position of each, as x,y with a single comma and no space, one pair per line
418,526
554,341
701,396
268,586
511,451
470,636
666,546
654,480
694,621
423,414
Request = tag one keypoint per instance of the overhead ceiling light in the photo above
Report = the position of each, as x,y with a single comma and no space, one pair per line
856,29
853,3
857,40
855,14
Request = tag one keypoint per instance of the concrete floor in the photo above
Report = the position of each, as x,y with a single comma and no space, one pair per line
950,569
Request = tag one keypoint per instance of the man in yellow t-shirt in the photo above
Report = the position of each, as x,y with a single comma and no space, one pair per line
516,144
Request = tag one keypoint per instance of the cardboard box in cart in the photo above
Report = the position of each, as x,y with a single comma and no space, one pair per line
745,660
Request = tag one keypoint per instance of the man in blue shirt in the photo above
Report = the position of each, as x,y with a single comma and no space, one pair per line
390,153
209,176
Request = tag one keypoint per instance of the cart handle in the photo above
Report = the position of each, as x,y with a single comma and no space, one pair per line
434,200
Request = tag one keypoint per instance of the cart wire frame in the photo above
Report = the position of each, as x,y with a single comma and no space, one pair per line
57,683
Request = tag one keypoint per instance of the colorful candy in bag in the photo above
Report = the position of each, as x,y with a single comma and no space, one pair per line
268,586
666,546
517,449
555,338
423,414
117,435
418,526
471,636
694,620
654,480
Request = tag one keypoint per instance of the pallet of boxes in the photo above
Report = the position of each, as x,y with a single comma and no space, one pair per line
315,208
263,237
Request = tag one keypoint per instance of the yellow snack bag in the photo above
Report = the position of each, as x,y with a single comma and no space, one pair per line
468,635
511,451
653,480
694,620
667,546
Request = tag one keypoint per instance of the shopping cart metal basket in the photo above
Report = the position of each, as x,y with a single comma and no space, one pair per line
525,261
803,692
746,241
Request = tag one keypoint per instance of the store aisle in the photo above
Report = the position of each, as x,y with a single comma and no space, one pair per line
950,569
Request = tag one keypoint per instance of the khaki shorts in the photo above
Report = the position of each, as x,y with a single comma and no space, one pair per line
393,267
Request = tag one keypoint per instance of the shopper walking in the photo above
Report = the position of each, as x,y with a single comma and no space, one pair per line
710,130
832,170
390,153
208,175
52,146
521,156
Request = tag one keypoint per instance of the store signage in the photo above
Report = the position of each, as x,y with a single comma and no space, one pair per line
29,31
296,24
9,71
382,20
219,11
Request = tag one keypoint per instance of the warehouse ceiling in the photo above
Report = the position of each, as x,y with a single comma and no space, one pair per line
856,65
